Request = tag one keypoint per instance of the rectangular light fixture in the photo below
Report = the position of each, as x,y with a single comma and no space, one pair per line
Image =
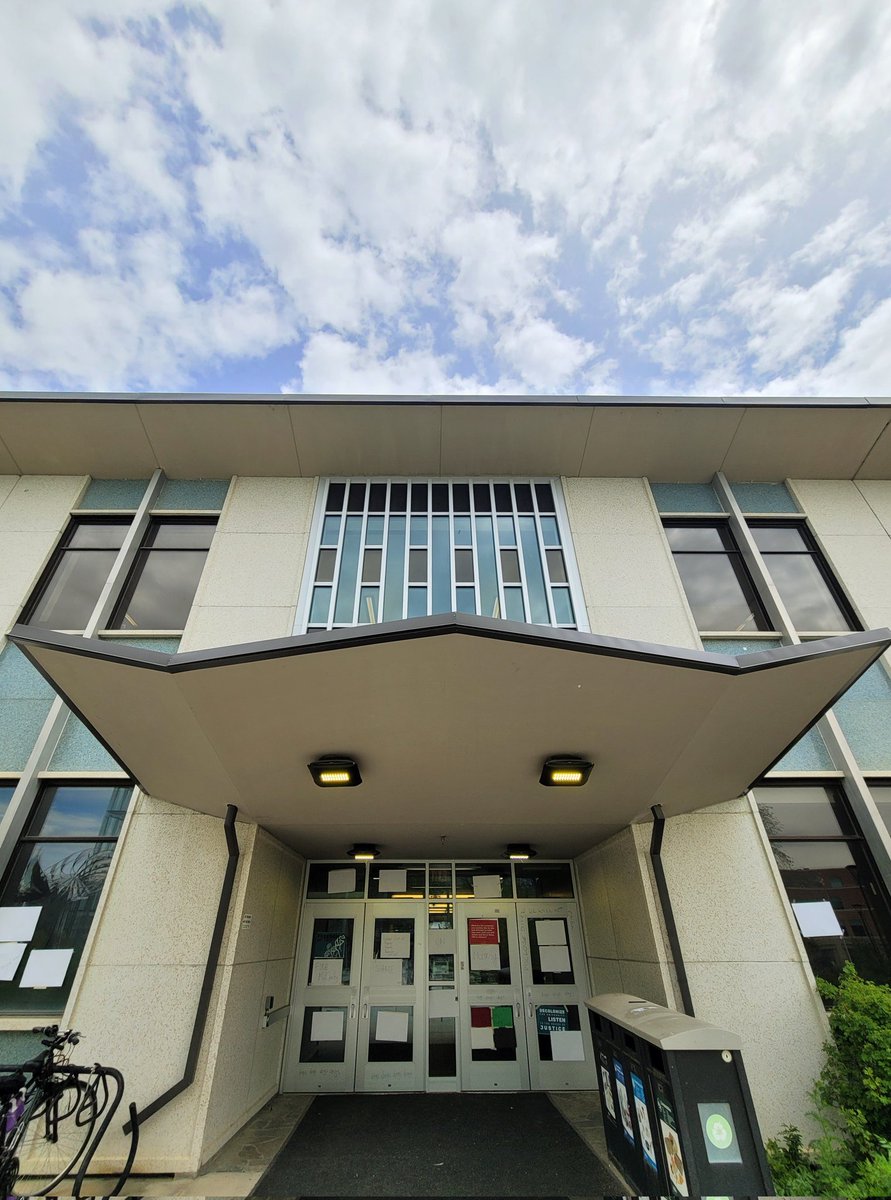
333,770
565,771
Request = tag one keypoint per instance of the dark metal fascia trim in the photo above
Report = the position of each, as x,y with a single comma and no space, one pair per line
667,911
210,970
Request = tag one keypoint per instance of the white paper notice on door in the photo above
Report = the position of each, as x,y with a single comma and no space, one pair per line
46,968
441,1003
567,1046
816,918
487,887
386,972
18,924
392,1026
326,1027
554,958
343,879
395,945
392,881
326,972
482,1039
550,933
485,958
10,957
441,941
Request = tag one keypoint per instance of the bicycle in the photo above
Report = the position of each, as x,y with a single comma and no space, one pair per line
49,1110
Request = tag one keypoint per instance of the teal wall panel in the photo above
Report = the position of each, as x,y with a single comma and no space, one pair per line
686,497
864,713
25,699
78,750
114,493
197,494
763,498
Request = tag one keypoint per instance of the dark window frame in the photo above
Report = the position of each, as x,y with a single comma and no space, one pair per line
64,547
735,559
811,550
142,557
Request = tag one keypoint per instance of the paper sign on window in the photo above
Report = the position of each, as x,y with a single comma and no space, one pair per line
10,957
18,924
816,918
326,1027
391,1027
392,880
550,933
46,968
482,932
485,958
487,887
395,945
326,972
343,879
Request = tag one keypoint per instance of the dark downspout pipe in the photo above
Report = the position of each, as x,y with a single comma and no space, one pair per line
210,970
667,911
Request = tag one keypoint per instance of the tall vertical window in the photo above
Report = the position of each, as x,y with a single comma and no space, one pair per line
391,549
51,890
837,898
161,586
718,587
812,597
70,586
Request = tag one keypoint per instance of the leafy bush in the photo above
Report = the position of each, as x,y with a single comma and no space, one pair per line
852,1157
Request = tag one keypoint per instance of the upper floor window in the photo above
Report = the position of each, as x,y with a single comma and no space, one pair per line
391,549
719,589
812,598
159,588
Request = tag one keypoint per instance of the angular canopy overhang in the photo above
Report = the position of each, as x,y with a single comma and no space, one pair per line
450,719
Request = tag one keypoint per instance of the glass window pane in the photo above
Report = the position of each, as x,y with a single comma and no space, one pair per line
556,566
523,494
550,881
418,531
554,1019
78,812
442,1057
507,534
369,606
180,535
550,531
417,566
374,531
384,1030
330,531
334,501
694,537
442,566
325,566
882,797
349,569
563,613
321,602
462,531
535,583
161,589
544,494
392,937
715,593
552,959
317,884
69,597
315,1048
778,537
332,941
415,886
398,497
514,609
461,497
97,535
417,602
371,566
356,498
497,1021
464,566
419,493
805,592
377,497
6,791
801,811
488,951
465,873
482,498
394,585
440,501
510,566
504,502
465,598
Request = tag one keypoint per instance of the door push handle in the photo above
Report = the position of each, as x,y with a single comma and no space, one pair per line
364,1010
352,1010
530,1008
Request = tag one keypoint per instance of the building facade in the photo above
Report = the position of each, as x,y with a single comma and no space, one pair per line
202,596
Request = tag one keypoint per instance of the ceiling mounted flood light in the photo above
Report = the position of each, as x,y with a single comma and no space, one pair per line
334,770
519,852
565,771
363,852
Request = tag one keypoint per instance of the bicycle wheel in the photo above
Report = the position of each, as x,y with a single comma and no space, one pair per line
58,1135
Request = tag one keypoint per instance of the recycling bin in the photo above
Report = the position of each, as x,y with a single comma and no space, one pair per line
676,1104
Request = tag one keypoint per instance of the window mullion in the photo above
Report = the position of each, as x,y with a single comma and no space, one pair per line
126,556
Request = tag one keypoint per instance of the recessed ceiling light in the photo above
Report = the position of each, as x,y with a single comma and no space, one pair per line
565,771
519,852
363,851
334,770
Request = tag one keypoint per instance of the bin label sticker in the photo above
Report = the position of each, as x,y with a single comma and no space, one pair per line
624,1106
721,1145
643,1122
677,1175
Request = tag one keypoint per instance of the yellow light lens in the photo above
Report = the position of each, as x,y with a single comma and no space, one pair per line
364,856
518,857
333,777
566,776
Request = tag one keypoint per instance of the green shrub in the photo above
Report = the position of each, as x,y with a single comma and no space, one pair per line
852,1157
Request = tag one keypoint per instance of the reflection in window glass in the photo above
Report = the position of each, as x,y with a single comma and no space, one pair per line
332,951
550,881
801,577
882,796
63,878
837,871
718,589
162,583
68,592
6,791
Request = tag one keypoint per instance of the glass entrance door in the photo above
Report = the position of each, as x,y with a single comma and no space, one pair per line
322,1043
490,994
391,1024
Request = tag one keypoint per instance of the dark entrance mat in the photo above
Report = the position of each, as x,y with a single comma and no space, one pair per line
450,1145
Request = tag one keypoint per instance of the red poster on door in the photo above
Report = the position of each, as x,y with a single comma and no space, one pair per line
482,933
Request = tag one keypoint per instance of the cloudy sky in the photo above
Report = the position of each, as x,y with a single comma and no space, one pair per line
594,196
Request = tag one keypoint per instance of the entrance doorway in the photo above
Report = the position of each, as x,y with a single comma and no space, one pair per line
439,977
